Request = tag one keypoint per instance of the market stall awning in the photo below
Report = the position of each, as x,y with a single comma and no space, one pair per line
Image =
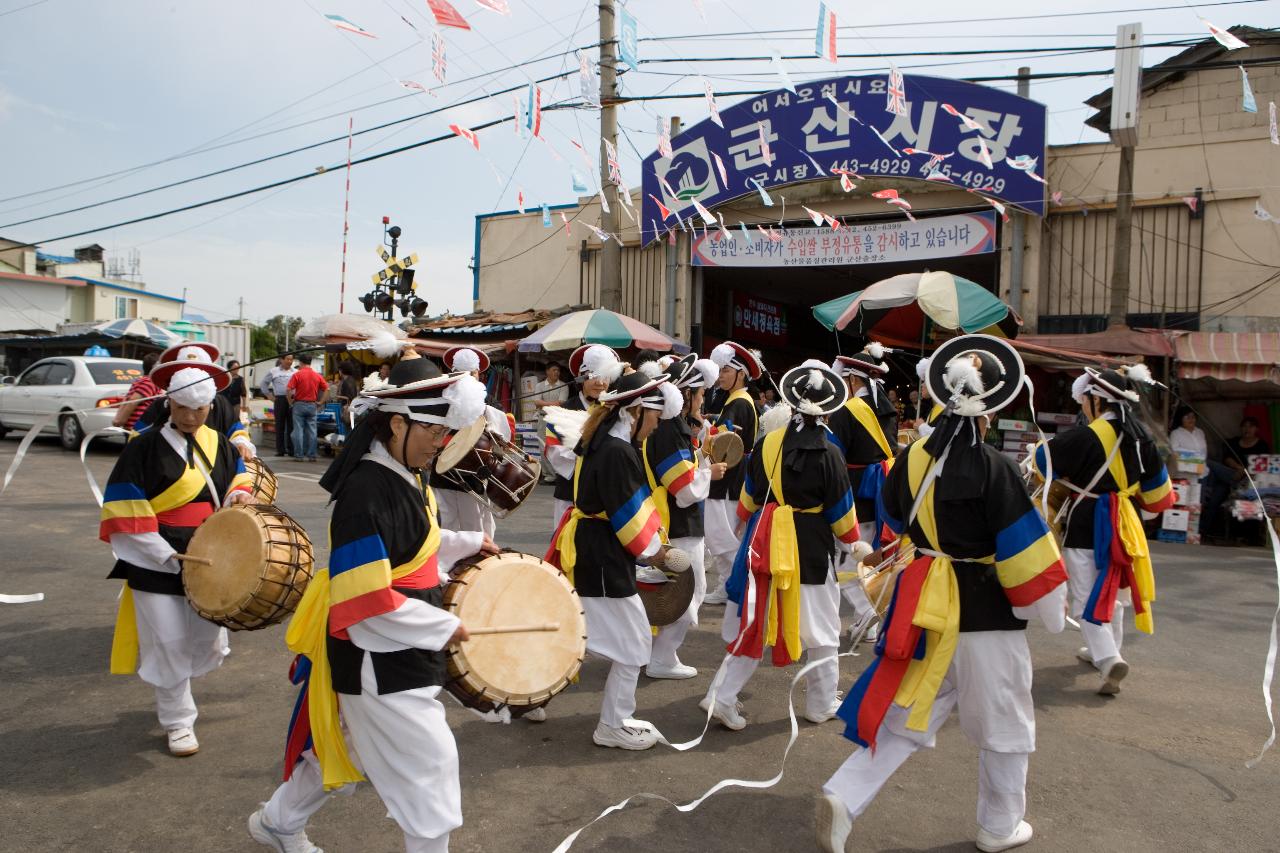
1118,340
1242,356
436,347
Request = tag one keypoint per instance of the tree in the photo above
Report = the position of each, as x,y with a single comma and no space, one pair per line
262,343
283,330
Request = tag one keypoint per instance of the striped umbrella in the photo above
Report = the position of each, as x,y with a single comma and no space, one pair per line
136,328
598,326
899,309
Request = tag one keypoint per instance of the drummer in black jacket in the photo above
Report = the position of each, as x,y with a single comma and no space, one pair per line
613,524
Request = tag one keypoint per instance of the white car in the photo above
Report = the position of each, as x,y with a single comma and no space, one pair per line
81,387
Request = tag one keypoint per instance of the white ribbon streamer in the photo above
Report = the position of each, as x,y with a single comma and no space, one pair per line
1269,669
21,599
84,448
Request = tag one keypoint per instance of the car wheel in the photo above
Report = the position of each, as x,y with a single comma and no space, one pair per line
70,433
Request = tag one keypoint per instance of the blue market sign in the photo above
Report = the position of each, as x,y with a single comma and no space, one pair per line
808,136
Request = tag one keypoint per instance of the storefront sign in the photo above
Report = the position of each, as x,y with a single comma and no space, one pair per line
873,243
787,137
759,320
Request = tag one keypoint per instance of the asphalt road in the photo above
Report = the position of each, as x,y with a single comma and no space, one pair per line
83,764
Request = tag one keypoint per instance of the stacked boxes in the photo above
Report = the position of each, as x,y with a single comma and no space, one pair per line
528,440
1182,523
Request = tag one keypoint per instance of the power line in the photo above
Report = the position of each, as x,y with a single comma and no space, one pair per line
207,148
997,19
1064,49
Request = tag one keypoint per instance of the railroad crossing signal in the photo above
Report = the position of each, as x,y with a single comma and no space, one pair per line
394,266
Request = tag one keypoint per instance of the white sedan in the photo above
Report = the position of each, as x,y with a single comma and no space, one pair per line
82,388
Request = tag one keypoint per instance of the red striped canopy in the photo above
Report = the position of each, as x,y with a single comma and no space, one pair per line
1244,356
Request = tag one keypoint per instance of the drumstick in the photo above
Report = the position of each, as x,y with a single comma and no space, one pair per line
199,561
514,629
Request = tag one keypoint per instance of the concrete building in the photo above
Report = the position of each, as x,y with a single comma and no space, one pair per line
1212,268
40,291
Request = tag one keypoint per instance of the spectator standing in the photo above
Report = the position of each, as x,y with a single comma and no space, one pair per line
551,392
235,390
136,399
275,388
1248,444
305,390
1217,480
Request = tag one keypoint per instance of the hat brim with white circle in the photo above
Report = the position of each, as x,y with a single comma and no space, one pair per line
1000,360
162,374
813,390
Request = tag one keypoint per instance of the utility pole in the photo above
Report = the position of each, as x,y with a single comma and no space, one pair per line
1017,256
1125,96
610,250
242,310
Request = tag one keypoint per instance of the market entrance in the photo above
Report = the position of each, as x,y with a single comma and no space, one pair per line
762,293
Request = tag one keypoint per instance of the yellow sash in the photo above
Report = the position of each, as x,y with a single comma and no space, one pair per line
124,639
740,394
784,550
307,635
866,418
566,544
938,612
1132,536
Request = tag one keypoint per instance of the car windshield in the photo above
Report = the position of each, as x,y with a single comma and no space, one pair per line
114,372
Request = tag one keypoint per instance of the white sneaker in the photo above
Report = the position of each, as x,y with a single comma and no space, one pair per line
857,628
989,843
1113,672
623,737
718,596
182,742
729,716
677,672
832,824
822,716
1082,655
537,715
278,841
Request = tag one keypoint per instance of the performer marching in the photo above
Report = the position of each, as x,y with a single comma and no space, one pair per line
737,414
1114,468
954,633
797,505
165,483
591,365
613,524
370,631
858,428
223,418
680,477
461,509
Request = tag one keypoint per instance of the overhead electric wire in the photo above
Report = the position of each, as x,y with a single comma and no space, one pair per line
207,147
996,19
1065,50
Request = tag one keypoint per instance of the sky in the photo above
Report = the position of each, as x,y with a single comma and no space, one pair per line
117,98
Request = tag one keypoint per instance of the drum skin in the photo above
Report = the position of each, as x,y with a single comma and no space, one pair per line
725,447
520,671
878,586
261,564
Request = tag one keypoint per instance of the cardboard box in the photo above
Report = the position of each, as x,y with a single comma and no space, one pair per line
1190,464
1016,426
1172,536
1175,519
1055,418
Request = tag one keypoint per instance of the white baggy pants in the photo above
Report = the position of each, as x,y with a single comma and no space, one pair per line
820,637
989,682
618,631
403,744
175,645
669,637
1103,641
462,511
852,589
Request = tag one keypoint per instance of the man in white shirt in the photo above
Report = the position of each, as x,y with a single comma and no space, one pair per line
274,386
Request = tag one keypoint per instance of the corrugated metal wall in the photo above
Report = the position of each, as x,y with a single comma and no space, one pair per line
643,281
1165,265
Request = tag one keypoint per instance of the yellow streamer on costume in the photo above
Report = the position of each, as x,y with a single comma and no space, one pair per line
937,614
567,543
1132,537
784,550
124,639
308,635
661,500
867,419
